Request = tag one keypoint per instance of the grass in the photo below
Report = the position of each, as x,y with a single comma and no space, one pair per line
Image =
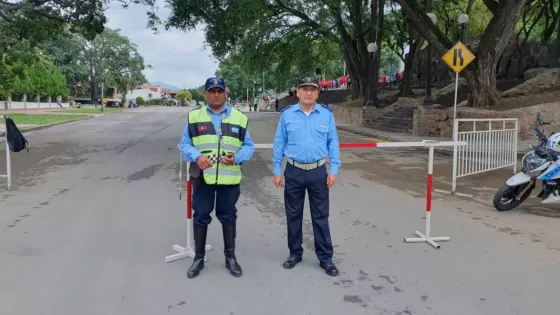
90,110
41,119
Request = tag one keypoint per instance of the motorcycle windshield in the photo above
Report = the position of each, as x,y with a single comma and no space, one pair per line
532,161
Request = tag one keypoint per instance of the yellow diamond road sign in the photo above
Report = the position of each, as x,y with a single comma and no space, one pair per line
458,57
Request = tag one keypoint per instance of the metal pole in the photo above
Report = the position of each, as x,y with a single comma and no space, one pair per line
190,234
371,80
427,236
8,161
189,249
102,88
455,134
515,145
429,194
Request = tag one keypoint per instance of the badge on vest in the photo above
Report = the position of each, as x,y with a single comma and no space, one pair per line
235,129
202,128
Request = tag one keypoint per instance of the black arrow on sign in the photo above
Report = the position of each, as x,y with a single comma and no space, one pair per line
458,53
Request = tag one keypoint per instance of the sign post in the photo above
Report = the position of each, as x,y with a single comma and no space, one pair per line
457,58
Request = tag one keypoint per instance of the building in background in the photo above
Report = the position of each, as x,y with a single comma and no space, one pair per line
149,92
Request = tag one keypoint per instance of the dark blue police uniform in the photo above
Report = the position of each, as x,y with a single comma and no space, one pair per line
307,140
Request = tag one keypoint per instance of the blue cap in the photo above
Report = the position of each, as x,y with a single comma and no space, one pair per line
212,83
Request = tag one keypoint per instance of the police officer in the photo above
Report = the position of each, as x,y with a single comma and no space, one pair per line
216,140
306,135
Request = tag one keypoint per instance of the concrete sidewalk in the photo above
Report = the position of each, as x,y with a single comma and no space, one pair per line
523,146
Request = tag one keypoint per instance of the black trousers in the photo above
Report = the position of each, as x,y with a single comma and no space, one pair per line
224,197
314,181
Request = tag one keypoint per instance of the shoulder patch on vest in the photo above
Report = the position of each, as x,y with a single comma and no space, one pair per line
329,108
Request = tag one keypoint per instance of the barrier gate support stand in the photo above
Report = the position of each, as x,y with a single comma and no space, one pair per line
188,250
426,237
8,175
426,143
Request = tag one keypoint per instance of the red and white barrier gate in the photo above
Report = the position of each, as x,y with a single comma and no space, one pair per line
426,237
187,251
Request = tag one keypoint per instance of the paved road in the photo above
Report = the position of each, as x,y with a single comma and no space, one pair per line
94,211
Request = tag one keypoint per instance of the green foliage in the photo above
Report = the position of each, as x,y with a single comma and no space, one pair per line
140,101
110,57
155,101
25,70
40,20
197,94
184,97
244,70
115,60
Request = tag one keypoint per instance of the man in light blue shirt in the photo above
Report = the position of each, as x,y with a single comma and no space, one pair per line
306,135
219,158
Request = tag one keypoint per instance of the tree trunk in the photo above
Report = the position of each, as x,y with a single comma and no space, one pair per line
496,37
356,70
379,40
482,83
409,64
481,74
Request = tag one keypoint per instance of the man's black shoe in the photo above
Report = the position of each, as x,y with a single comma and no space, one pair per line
330,269
291,262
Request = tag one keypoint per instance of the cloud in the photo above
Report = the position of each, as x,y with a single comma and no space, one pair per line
179,58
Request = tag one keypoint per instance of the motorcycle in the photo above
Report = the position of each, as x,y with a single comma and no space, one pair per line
540,164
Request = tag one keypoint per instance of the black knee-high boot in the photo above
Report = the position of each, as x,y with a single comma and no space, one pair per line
229,250
200,250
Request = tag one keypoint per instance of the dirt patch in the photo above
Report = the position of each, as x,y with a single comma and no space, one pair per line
527,100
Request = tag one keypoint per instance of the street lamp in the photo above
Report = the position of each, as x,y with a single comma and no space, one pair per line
428,100
463,19
371,48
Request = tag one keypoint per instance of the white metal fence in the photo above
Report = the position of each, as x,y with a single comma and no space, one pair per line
491,145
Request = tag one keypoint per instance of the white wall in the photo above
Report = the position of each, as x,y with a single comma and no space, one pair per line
31,105
144,93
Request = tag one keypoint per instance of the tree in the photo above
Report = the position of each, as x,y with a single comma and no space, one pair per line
66,50
481,74
25,70
113,60
197,94
184,97
110,57
36,20
261,28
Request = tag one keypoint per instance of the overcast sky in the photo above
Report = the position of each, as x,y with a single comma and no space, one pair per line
179,58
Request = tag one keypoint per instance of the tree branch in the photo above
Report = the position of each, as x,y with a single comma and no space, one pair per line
492,5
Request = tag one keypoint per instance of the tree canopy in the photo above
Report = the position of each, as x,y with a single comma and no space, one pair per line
277,36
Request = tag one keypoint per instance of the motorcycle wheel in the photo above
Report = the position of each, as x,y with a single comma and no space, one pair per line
505,198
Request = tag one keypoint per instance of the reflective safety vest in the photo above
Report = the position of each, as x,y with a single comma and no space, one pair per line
205,140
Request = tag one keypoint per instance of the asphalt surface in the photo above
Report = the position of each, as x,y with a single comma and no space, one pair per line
94,210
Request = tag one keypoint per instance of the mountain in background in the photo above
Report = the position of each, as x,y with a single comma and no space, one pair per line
165,86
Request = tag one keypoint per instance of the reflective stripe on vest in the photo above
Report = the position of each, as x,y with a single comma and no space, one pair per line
205,140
